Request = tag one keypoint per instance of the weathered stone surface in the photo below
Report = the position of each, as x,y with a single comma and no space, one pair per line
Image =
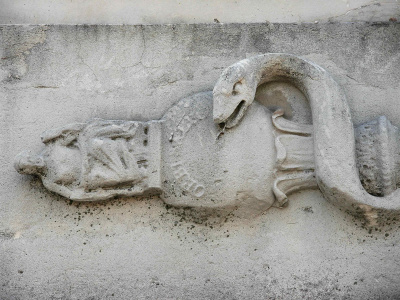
340,166
51,248
193,11
248,168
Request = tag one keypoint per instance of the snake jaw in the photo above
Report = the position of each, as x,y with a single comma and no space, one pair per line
229,109
236,116
231,102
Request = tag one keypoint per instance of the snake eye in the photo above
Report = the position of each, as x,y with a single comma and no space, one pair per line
236,88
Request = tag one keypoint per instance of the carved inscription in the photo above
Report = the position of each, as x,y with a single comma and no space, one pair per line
181,118
186,181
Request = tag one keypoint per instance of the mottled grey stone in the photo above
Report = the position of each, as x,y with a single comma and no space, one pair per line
140,248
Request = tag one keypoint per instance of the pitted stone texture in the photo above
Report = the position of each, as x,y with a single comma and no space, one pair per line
333,132
51,248
192,11
377,150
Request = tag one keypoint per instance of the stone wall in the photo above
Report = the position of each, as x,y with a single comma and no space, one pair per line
194,11
53,248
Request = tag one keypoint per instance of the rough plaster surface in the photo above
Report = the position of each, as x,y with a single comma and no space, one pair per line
194,11
52,248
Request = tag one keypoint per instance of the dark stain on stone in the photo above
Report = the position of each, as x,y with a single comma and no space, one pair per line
308,209
45,87
6,235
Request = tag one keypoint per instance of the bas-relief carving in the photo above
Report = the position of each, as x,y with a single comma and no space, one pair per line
334,138
222,151
98,160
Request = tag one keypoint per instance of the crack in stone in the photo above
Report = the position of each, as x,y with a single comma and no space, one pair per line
374,3
83,61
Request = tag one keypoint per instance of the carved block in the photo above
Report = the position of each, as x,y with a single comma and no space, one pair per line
98,160
222,151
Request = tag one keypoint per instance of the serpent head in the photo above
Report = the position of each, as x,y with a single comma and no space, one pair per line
233,93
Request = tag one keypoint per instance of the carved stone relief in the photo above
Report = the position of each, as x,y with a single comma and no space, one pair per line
222,151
